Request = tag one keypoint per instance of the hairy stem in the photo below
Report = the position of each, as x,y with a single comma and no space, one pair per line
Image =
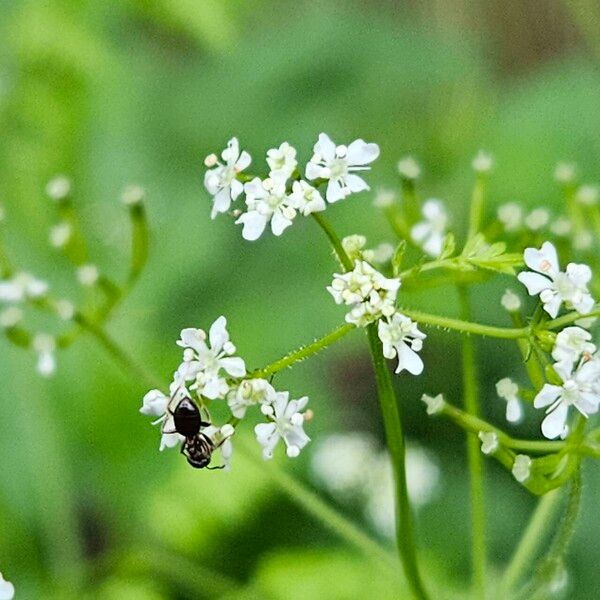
304,352
475,458
334,240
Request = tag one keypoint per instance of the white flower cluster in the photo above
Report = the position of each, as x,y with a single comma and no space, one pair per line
372,297
351,468
211,371
277,200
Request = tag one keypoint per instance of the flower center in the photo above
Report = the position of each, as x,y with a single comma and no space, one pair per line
338,168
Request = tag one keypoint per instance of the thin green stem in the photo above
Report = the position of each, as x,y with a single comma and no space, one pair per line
396,446
477,204
304,352
465,326
475,458
447,263
532,539
335,241
565,320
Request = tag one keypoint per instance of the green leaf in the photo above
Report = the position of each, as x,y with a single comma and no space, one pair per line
449,246
398,257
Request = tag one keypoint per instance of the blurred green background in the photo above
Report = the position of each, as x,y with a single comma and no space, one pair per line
112,93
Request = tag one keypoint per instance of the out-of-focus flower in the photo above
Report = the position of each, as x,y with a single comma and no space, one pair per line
565,172
45,346
522,468
58,188
21,287
508,390
489,442
429,233
588,195
88,275
511,216
510,301
537,219
409,168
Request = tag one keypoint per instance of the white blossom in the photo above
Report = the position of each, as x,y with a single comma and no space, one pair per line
132,195
339,164
565,172
554,286
381,254
588,195
341,462
508,390
22,286
354,245
369,294
537,219
510,301
267,202
429,233
482,163
221,439
580,388
221,181
521,469
384,198
561,227
573,343
60,235
282,160
205,364
58,188
10,317
285,422
489,442
401,338
409,168
511,216
435,404
7,589
45,346
249,392
306,199
88,275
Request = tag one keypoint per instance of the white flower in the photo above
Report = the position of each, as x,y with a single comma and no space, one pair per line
60,235
401,337
561,227
155,403
429,234
282,160
221,181
204,363
435,404
65,309
221,439
588,195
7,589
22,286
482,163
409,168
489,442
573,343
88,275
380,254
583,240
338,164
369,294
45,346
580,389
353,245
132,195
58,188
511,216
267,201
508,390
249,393
565,172
422,478
10,317
522,468
341,462
537,219
554,286
510,301
306,199
384,198
286,423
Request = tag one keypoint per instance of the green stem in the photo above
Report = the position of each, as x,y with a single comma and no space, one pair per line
303,352
532,539
477,203
475,458
532,362
396,446
570,318
335,241
465,326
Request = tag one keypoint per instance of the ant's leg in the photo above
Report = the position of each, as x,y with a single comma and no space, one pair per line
215,468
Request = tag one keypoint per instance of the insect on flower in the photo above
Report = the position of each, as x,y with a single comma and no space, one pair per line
197,446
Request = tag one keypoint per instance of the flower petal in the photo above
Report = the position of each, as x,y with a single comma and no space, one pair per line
534,282
355,183
254,225
218,334
361,153
234,365
408,359
554,423
325,147
547,395
279,223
